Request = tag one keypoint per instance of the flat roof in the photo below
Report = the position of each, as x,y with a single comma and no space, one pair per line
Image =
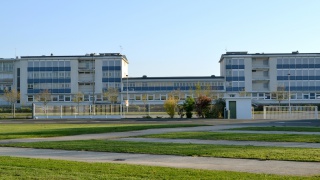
86,55
174,77
245,53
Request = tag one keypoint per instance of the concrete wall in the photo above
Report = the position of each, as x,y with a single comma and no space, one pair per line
243,107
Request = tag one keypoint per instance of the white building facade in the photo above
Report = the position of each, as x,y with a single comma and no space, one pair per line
257,75
261,76
65,76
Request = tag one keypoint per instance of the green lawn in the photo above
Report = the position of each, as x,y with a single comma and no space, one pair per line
225,151
26,168
17,115
275,128
13,131
239,136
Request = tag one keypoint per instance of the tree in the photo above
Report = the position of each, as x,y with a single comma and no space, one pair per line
170,106
144,99
243,93
218,108
78,98
12,97
202,105
112,95
45,97
180,110
188,106
281,94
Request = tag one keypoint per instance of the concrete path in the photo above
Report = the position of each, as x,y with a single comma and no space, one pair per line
240,165
225,142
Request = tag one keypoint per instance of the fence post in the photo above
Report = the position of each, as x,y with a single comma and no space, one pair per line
33,110
148,109
60,111
316,112
252,112
264,112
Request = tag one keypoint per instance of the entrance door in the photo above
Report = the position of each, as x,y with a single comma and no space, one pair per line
233,109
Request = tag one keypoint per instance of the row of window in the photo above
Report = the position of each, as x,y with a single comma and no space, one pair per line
234,73
37,91
48,74
5,76
111,68
6,66
298,61
234,66
111,63
57,63
298,72
49,68
60,80
294,96
111,74
48,85
111,85
298,83
162,97
171,88
298,78
175,84
234,61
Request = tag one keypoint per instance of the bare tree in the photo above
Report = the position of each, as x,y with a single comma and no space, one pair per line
281,94
112,95
45,97
78,98
144,99
12,97
243,93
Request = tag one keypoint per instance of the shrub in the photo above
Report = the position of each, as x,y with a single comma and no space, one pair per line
202,105
170,106
188,106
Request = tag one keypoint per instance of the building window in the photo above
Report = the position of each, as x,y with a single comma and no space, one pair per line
30,98
67,98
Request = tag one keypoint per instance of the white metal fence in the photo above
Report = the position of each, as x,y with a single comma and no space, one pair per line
97,111
290,112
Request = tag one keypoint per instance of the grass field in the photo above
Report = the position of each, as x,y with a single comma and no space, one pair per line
225,151
275,128
13,131
25,168
239,136
17,115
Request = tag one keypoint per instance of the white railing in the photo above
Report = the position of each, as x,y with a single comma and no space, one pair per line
290,112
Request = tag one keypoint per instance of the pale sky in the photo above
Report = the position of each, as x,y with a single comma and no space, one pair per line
159,37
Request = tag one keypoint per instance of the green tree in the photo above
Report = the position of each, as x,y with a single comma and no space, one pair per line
202,105
170,106
180,110
12,97
218,109
188,106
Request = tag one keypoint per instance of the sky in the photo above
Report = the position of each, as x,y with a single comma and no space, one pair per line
159,37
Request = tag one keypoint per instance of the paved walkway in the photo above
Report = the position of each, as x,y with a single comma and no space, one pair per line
225,142
241,165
